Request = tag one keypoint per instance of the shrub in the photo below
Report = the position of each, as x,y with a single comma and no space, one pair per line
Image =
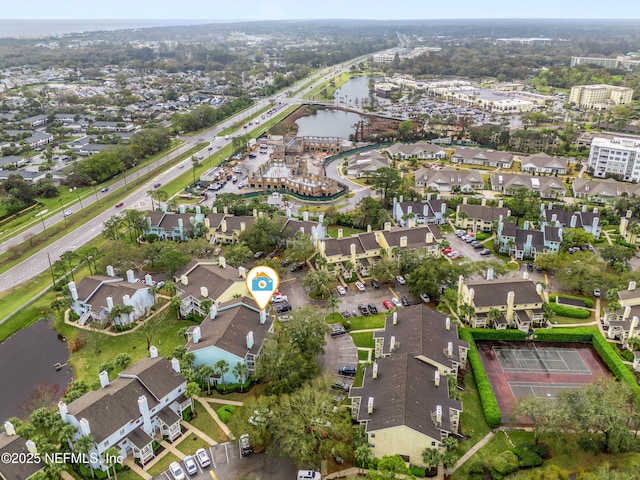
627,355
608,354
76,343
417,471
482,236
571,312
527,458
225,412
504,464
490,334
490,406
540,449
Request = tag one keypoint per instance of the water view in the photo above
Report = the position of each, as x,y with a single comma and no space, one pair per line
328,123
355,91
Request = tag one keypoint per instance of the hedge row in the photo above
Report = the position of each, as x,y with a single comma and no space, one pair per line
577,335
490,406
608,354
587,301
566,311
490,334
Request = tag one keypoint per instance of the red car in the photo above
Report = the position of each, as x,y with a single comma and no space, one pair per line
119,204
388,305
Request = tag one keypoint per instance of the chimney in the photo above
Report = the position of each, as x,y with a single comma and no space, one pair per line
10,429
175,364
387,226
412,223
255,212
450,349
368,228
85,428
126,300
31,447
198,210
110,271
207,222
204,292
214,210
143,406
574,220
222,262
375,370
305,216
153,351
436,378
73,290
184,280
130,277
249,340
525,226
213,311
242,272
629,214
340,232
429,238
302,230
395,317
632,285
148,280
525,275
370,406
263,317
243,226
225,210
180,223
392,344
484,202
288,212
104,379
490,274
511,297
62,410
409,210
501,203
447,323
438,415
627,312
182,209
403,241
223,226
197,335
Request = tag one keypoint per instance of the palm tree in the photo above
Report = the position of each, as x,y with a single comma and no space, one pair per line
153,291
196,164
192,390
205,306
320,282
493,315
431,457
84,445
151,194
363,454
333,302
221,367
110,459
241,371
204,373
175,304
170,287
69,258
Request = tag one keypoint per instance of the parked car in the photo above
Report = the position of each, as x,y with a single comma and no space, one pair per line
387,304
257,255
485,252
283,308
245,445
176,471
279,298
347,371
341,290
400,279
372,308
337,330
284,262
405,301
341,386
203,458
309,475
240,185
360,286
596,292
297,267
375,284
396,302
363,309
190,465
119,204
530,267
425,298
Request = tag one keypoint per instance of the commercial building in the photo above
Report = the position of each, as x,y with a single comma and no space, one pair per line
618,156
600,97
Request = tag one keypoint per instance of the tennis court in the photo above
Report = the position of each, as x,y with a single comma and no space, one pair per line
541,360
546,390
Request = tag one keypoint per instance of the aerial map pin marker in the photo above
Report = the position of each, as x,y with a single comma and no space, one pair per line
262,283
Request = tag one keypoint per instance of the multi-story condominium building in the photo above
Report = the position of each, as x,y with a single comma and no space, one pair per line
621,61
619,156
600,96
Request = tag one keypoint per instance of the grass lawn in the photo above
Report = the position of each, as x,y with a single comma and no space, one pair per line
189,445
163,464
333,318
568,320
472,421
86,362
128,475
205,423
363,339
493,448
370,321
364,355
332,231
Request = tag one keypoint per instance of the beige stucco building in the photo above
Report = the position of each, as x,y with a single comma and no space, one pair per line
600,97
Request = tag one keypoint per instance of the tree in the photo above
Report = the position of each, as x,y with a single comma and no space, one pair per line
306,329
175,303
170,288
83,446
390,467
195,163
113,227
221,367
306,428
493,315
111,458
274,264
69,258
320,282
240,371
385,270
543,413
172,260
431,458
264,235
192,390
386,181
205,372
616,254
238,254
122,360
524,204
300,248
575,237
405,130
136,221
333,303
547,312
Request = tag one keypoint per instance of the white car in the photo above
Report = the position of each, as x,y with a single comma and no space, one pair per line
425,298
341,290
396,302
190,465
400,279
176,471
279,298
202,457
309,475
68,212
360,286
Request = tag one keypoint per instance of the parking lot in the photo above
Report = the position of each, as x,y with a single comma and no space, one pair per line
227,463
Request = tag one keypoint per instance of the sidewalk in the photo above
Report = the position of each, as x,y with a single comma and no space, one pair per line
205,403
472,451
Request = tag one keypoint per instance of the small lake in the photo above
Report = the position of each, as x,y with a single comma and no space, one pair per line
27,359
356,90
328,123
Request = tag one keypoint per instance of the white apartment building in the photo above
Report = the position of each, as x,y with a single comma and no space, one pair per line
628,62
618,155
600,96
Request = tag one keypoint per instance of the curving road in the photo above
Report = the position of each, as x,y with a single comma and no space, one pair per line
39,262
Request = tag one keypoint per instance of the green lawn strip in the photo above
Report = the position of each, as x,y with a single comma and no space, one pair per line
163,464
332,231
189,445
128,475
492,449
363,323
568,320
472,421
86,362
363,355
206,424
334,318
363,339
79,219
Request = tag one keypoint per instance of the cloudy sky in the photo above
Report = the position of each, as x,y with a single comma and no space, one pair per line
304,9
